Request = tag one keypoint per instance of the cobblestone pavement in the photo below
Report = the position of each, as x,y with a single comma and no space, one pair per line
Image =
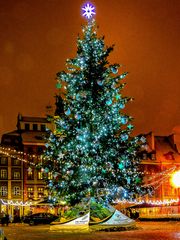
144,231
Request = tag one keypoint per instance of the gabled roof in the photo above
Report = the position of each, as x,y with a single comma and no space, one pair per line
12,139
16,138
166,150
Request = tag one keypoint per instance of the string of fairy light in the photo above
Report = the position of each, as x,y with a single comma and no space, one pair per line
117,201
15,203
158,179
150,202
13,153
164,176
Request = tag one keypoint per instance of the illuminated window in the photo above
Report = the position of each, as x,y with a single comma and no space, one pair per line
16,175
40,175
4,174
3,191
16,190
30,174
30,192
40,192
50,175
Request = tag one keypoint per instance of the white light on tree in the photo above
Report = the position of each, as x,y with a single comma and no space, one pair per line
176,179
88,11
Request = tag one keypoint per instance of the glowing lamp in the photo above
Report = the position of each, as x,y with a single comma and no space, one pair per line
175,180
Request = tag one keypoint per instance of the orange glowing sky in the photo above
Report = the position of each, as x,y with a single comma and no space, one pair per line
37,36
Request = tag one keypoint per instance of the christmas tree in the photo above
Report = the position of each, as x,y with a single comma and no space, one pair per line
91,152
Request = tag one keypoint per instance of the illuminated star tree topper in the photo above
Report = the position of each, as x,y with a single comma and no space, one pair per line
88,10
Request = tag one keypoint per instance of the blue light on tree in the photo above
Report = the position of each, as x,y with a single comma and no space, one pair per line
68,112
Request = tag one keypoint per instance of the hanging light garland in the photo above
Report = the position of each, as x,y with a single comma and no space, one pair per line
150,202
15,203
166,172
13,154
159,178
14,151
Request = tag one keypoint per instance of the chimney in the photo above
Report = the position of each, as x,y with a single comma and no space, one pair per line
150,140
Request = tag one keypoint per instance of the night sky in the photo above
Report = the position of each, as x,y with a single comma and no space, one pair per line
37,36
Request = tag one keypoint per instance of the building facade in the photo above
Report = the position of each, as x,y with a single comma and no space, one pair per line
21,184
11,184
160,160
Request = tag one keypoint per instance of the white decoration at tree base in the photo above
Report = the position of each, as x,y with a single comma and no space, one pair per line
80,224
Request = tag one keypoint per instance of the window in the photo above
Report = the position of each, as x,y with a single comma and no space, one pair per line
30,192
4,160
16,162
43,127
50,175
35,127
144,156
4,174
3,191
27,126
169,155
16,190
40,175
30,174
16,175
40,192
153,156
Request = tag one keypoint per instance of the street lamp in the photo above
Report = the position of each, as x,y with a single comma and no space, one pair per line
175,179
